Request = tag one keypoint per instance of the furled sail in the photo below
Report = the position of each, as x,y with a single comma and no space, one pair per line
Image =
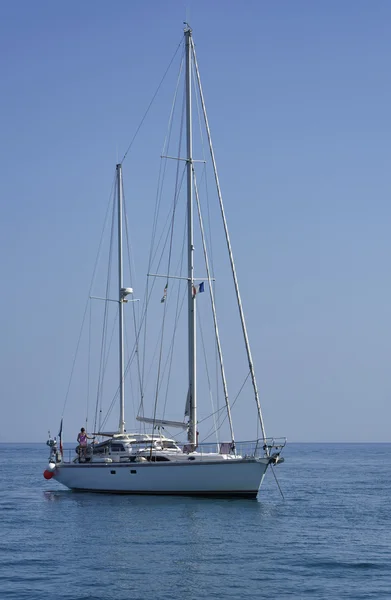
162,422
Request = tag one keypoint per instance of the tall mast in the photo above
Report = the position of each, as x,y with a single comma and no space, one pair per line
121,427
231,258
192,433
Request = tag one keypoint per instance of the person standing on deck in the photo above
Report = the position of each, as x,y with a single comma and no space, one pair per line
82,439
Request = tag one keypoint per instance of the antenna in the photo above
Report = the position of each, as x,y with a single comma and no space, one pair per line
187,10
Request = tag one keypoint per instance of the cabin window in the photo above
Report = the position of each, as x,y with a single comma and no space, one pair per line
169,445
133,472
117,448
113,472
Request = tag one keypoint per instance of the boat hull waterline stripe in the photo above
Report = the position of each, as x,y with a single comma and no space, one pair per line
217,494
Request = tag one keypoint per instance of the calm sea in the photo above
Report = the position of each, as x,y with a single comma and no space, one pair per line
330,538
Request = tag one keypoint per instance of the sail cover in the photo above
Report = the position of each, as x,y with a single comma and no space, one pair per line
161,422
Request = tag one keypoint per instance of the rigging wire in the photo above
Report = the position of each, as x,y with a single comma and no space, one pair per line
159,193
218,411
89,364
102,361
136,342
114,327
141,405
207,373
212,301
169,237
130,361
177,315
162,169
104,227
142,320
88,299
229,247
176,197
204,178
151,102
148,294
132,392
133,303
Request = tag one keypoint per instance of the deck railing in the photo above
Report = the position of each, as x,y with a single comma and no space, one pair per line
247,449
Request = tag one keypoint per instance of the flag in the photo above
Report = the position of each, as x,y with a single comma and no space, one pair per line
164,294
60,436
198,289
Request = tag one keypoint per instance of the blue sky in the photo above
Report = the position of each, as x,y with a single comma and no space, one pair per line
298,96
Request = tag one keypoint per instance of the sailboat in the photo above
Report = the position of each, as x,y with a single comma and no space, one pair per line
151,462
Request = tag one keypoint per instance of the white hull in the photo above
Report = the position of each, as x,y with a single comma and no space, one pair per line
234,478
